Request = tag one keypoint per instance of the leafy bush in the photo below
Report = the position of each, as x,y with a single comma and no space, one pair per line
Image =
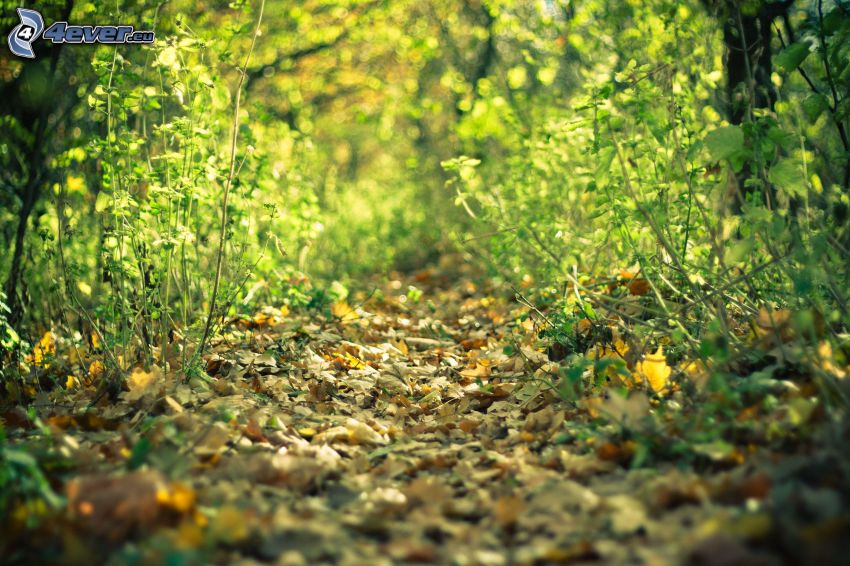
714,221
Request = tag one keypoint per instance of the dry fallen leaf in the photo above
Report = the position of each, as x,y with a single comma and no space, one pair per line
113,507
301,470
144,385
229,525
96,370
508,510
638,287
213,440
361,433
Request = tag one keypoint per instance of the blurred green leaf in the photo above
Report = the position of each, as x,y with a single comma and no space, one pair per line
724,143
792,56
814,106
787,174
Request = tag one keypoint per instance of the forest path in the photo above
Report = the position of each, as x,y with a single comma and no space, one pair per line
418,427
412,425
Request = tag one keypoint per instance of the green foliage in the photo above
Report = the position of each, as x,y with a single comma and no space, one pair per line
129,226
10,341
24,489
725,142
637,170
792,57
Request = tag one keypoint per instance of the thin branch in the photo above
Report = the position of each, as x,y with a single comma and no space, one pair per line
229,183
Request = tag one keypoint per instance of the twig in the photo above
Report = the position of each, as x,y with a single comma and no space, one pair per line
229,183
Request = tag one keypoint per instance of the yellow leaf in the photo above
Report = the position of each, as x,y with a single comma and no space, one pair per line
142,383
307,432
828,363
361,433
343,311
96,369
84,288
177,496
620,346
401,345
188,535
655,369
697,372
46,348
353,362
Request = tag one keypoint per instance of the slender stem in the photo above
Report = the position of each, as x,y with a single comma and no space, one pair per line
228,183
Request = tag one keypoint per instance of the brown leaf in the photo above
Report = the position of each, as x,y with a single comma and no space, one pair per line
113,507
473,344
253,431
638,287
619,453
301,472
213,440
508,510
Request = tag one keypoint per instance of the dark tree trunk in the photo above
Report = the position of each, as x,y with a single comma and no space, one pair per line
747,37
11,290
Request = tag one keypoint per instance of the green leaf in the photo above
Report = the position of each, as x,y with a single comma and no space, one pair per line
833,20
139,455
739,251
788,176
792,56
814,106
103,201
20,458
724,143
603,165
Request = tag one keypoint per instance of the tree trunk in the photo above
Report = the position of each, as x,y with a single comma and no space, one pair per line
14,301
747,38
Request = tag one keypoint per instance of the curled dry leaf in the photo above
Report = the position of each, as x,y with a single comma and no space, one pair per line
361,433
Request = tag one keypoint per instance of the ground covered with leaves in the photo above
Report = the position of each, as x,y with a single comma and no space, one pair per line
434,420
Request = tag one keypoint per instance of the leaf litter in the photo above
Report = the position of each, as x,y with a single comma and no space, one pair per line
431,431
